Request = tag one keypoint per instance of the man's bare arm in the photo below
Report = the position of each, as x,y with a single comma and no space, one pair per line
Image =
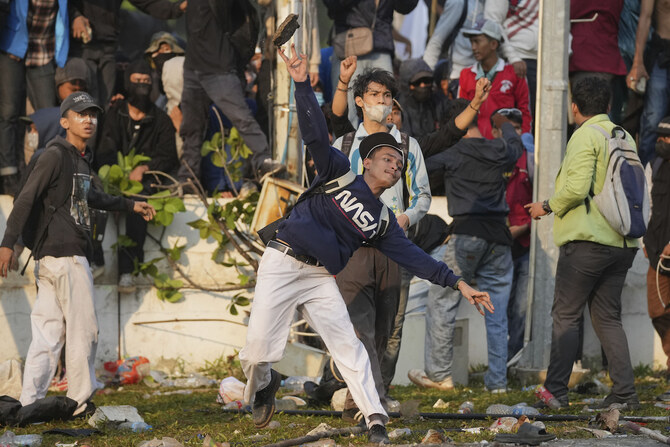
637,70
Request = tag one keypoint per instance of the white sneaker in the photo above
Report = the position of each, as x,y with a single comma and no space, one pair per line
496,390
126,283
419,377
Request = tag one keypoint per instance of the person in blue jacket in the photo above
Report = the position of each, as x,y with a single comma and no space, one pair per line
313,244
33,41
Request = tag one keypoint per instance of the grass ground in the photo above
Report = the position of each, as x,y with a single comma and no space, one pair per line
188,418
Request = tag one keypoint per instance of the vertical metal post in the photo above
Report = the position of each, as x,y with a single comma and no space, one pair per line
551,114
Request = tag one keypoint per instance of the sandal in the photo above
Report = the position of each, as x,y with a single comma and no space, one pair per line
527,434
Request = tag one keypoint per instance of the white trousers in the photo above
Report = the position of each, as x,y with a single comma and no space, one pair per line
64,312
283,285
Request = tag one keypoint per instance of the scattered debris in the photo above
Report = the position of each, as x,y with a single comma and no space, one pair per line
315,435
230,389
598,433
608,420
409,409
466,407
441,404
474,430
11,439
522,420
234,405
337,401
321,428
504,424
398,432
499,409
298,401
114,416
653,434
273,425
207,442
285,404
193,380
130,370
165,442
433,437
522,408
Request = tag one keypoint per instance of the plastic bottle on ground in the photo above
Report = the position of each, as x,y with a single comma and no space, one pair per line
545,396
136,427
466,407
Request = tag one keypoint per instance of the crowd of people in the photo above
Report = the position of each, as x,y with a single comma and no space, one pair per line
457,121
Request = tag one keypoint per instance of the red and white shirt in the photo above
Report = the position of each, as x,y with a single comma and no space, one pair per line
507,91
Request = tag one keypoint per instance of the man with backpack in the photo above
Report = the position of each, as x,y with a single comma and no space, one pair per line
51,213
593,257
314,243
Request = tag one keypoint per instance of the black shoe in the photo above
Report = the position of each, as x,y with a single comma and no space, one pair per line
377,435
264,402
612,401
323,392
352,415
270,167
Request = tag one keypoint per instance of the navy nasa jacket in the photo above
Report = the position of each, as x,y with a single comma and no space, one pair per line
330,227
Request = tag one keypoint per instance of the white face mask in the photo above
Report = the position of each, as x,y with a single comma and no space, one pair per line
378,112
32,140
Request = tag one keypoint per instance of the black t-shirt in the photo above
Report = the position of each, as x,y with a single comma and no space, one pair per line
492,229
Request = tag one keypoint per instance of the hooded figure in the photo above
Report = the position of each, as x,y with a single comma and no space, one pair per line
138,93
424,109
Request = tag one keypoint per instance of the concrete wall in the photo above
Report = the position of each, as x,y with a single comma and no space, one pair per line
195,342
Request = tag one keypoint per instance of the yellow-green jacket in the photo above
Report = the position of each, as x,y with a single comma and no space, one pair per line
584,166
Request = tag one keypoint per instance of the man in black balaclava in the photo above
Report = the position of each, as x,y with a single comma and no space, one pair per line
423,108
136,123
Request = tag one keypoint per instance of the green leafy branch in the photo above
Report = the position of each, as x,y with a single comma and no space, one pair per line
221,224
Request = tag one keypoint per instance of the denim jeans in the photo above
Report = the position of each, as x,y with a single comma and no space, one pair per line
516,308
369,61
225,91
655,109
490,265
16,79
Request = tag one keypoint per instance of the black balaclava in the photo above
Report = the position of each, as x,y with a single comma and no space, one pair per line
139,95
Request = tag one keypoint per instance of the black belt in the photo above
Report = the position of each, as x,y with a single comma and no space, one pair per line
289,251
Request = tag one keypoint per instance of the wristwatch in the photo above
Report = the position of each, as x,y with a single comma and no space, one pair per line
546,207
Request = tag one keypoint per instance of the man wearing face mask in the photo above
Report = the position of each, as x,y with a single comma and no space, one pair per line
136,123
424,109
